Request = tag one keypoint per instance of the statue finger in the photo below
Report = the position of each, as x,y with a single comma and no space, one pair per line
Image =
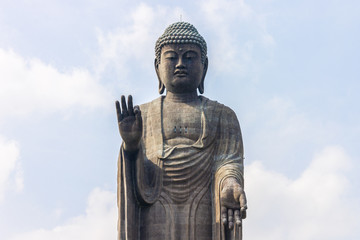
137,110
224,215
118,111
243,205
137,113
130,106
230,218
243,214
123,106
237,217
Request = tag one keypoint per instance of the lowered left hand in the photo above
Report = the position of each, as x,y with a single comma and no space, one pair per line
233,203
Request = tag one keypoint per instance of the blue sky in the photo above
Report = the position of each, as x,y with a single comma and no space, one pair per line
289,69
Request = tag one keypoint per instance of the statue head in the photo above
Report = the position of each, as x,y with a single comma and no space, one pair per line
180,59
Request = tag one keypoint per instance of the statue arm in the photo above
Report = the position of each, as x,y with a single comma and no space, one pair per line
133,188
229,179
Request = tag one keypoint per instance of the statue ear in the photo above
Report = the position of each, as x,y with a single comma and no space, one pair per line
161,84
201,86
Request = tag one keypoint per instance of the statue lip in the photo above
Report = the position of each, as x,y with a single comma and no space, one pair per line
180,73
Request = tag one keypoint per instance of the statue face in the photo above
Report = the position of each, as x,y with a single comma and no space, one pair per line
180,68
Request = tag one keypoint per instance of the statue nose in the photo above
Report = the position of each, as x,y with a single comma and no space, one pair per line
180,63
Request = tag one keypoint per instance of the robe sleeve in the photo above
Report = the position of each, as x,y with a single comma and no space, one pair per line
230,150
126,199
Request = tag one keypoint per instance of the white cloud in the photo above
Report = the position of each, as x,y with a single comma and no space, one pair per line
238,29
279,128
99,222
10,169
30,85
285,119
122,44
314,206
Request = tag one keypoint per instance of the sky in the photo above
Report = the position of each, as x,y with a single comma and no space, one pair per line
289,69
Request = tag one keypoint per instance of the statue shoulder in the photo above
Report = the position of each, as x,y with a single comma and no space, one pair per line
153,104
229,113
223,110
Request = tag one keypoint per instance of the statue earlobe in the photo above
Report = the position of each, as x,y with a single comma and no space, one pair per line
201,86
161,84
161,87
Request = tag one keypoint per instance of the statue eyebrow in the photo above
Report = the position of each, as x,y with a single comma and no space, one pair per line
170,51
191,51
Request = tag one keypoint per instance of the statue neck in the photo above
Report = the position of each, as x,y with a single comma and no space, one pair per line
182,97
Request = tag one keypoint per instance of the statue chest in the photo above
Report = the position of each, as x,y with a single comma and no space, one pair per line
181,124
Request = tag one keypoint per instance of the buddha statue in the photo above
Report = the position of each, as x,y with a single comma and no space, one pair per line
180,168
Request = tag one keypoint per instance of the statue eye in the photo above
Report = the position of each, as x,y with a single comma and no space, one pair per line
190,55
170,56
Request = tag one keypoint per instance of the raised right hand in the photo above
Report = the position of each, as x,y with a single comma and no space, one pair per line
130,123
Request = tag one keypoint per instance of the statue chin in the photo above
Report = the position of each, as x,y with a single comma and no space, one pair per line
181,86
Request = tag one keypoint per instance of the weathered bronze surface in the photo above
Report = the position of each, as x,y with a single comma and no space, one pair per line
180,169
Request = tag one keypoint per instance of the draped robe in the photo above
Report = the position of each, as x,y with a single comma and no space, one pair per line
173,192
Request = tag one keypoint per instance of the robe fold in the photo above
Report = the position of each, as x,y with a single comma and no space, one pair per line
173,192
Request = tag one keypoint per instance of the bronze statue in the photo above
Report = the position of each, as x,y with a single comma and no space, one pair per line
180,169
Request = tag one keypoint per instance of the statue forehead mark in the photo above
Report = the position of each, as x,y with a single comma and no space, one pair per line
179,47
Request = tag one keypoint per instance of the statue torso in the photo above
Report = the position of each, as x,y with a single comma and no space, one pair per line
181,122
187,171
